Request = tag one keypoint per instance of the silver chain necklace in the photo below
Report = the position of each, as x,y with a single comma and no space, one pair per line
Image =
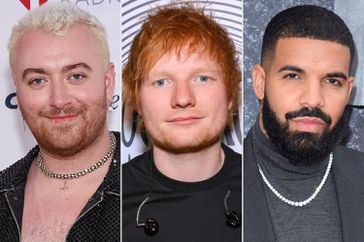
308,200
99,163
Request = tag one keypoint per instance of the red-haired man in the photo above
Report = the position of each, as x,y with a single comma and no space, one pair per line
183,79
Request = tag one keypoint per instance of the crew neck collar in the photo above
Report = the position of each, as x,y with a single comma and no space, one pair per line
220,177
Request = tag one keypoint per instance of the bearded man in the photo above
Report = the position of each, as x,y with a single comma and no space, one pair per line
183,79
67,187
299,183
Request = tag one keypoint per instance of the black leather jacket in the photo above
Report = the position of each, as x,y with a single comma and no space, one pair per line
98,221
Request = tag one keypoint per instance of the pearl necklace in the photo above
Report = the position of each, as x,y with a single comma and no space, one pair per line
99,163
308,200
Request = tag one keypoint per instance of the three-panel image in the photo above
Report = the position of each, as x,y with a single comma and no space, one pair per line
182,121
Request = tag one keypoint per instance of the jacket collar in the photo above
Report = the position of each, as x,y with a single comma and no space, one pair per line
349,184
257,221
348,167
16,173
111,182
13,179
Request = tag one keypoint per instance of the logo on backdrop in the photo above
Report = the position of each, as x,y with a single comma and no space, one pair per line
91,2
26,3
10,101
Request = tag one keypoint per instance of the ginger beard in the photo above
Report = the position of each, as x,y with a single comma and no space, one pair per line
303,148
169,141
183,102
67,139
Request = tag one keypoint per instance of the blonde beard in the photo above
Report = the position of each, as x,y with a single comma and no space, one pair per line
68,140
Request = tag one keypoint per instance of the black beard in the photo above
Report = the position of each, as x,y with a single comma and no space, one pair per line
303,148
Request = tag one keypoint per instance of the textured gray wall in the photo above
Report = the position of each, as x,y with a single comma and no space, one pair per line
257,14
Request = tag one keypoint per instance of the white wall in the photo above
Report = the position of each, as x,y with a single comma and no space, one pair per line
14,141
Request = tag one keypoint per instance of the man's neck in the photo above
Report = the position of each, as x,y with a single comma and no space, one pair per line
56,216
190,167
81,160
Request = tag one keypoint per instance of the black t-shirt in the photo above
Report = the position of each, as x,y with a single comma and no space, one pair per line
186,212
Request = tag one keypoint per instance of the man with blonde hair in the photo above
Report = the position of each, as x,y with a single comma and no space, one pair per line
67,187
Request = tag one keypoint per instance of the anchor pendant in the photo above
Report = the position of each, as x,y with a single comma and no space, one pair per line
65,187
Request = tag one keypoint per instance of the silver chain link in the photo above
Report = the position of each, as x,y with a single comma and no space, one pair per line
99,163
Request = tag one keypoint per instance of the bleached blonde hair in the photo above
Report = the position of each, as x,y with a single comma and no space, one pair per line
57,18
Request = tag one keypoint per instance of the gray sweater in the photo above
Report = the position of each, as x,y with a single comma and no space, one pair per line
317,221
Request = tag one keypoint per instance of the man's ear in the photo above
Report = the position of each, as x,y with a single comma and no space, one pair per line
110,81
258,76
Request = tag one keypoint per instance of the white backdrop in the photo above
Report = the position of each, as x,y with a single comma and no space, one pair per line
14,141
229,13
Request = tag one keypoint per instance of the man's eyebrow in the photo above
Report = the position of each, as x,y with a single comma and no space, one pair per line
74,66
291,68
34,70
64,69
336,74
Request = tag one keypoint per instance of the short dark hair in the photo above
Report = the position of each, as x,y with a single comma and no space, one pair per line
306,21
